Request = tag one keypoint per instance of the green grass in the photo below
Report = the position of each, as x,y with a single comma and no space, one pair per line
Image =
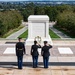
52,34
24,35
12,31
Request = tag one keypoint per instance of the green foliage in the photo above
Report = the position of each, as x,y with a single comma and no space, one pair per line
62,8
51,12
63,14
29,10
12,31
32,9
66,22
9,20
39,10
1,28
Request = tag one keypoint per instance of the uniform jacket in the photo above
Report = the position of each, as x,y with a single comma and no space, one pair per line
20,49
45,51
34,50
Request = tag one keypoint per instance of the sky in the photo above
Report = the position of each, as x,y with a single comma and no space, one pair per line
37,0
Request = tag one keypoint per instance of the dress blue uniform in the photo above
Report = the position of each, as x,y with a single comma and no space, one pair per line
34,53
20,51
45,53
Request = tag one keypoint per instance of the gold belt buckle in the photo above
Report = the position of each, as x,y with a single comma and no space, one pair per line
20,49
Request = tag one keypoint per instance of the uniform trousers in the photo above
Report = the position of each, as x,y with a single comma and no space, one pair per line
35,61
45,61
20,61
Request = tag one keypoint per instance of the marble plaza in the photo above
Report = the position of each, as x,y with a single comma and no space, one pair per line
60,63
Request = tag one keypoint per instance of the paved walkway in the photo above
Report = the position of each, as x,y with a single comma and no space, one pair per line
59,64
60,34
56,56
52,70
16,34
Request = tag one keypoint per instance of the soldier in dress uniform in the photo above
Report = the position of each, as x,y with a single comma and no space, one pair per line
20,51
45,53
35,54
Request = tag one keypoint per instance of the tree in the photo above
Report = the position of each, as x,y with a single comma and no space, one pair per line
9,20
66,22
39,10
29,10
64,7
51,12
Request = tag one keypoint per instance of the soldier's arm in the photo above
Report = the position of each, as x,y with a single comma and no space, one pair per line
16,49
50,46
24,49
31,50
39,46
42,52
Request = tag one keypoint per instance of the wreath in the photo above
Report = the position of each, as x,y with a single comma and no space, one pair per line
38,39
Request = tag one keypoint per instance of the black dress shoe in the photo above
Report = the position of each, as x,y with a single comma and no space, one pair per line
45,67
34,66
20,68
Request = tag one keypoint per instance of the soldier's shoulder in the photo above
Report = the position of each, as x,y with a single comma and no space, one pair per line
43,46
32,45
17,43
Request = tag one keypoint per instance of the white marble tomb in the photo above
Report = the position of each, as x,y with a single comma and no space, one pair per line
38,29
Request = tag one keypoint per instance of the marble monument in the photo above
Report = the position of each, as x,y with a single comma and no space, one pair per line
38,29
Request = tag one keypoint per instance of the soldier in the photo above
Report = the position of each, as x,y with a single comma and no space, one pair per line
34,53
45,53
20,51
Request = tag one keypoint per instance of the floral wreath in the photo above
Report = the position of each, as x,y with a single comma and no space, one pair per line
38,39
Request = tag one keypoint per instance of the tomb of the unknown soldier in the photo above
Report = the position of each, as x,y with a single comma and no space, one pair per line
38,29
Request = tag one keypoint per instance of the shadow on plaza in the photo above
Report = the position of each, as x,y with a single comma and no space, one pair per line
29,64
